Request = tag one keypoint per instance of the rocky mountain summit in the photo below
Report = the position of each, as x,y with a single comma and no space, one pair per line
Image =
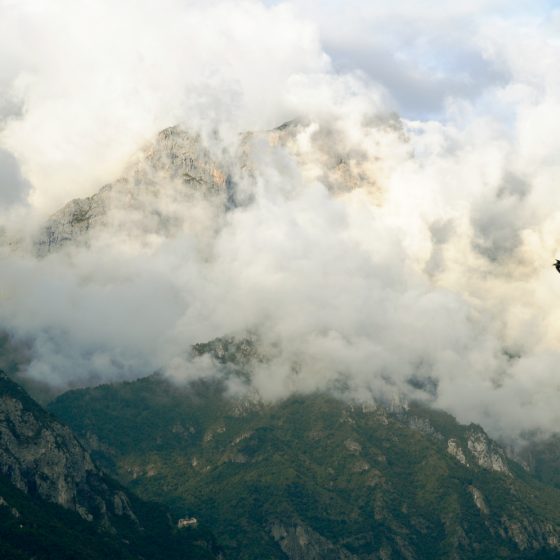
184,182
173,171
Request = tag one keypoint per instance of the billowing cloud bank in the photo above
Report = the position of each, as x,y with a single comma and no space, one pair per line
427,273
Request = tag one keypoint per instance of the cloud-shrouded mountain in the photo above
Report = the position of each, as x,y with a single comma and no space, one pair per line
332,281
171,177
174,172
394,239
297,236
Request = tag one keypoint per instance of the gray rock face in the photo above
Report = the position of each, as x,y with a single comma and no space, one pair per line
40,456
299,542
323,153
478,499
178,183
171,174
487,454
43,459
454,449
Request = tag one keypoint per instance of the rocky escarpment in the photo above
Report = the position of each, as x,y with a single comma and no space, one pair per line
42,457
56,503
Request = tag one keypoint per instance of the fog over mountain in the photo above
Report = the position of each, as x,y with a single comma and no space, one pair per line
393,241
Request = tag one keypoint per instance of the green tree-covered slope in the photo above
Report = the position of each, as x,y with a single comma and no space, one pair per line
55,503
313,477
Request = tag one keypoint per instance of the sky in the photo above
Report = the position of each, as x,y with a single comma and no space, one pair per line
420,268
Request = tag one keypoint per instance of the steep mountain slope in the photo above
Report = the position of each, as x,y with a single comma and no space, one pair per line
31,527
313,477
56,503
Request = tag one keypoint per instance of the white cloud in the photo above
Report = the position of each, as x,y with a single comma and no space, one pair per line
97,79
373,253
422,52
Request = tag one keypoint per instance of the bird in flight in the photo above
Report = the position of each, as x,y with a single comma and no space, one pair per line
556,265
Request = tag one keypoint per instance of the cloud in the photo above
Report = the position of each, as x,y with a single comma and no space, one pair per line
377,255
14,188
97,80
422,52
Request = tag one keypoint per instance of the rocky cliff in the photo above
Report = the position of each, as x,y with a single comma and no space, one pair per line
54,500
42,457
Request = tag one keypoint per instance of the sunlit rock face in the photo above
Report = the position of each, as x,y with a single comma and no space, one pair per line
327,154
487,454
182,182
172,174
454,449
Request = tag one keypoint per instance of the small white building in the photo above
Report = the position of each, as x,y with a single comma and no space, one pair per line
187,522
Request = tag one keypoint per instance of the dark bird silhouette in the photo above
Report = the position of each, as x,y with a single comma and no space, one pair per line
556,265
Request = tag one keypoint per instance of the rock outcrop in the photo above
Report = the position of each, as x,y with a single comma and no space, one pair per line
299,542
55,502
487,453
171,174
42,457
